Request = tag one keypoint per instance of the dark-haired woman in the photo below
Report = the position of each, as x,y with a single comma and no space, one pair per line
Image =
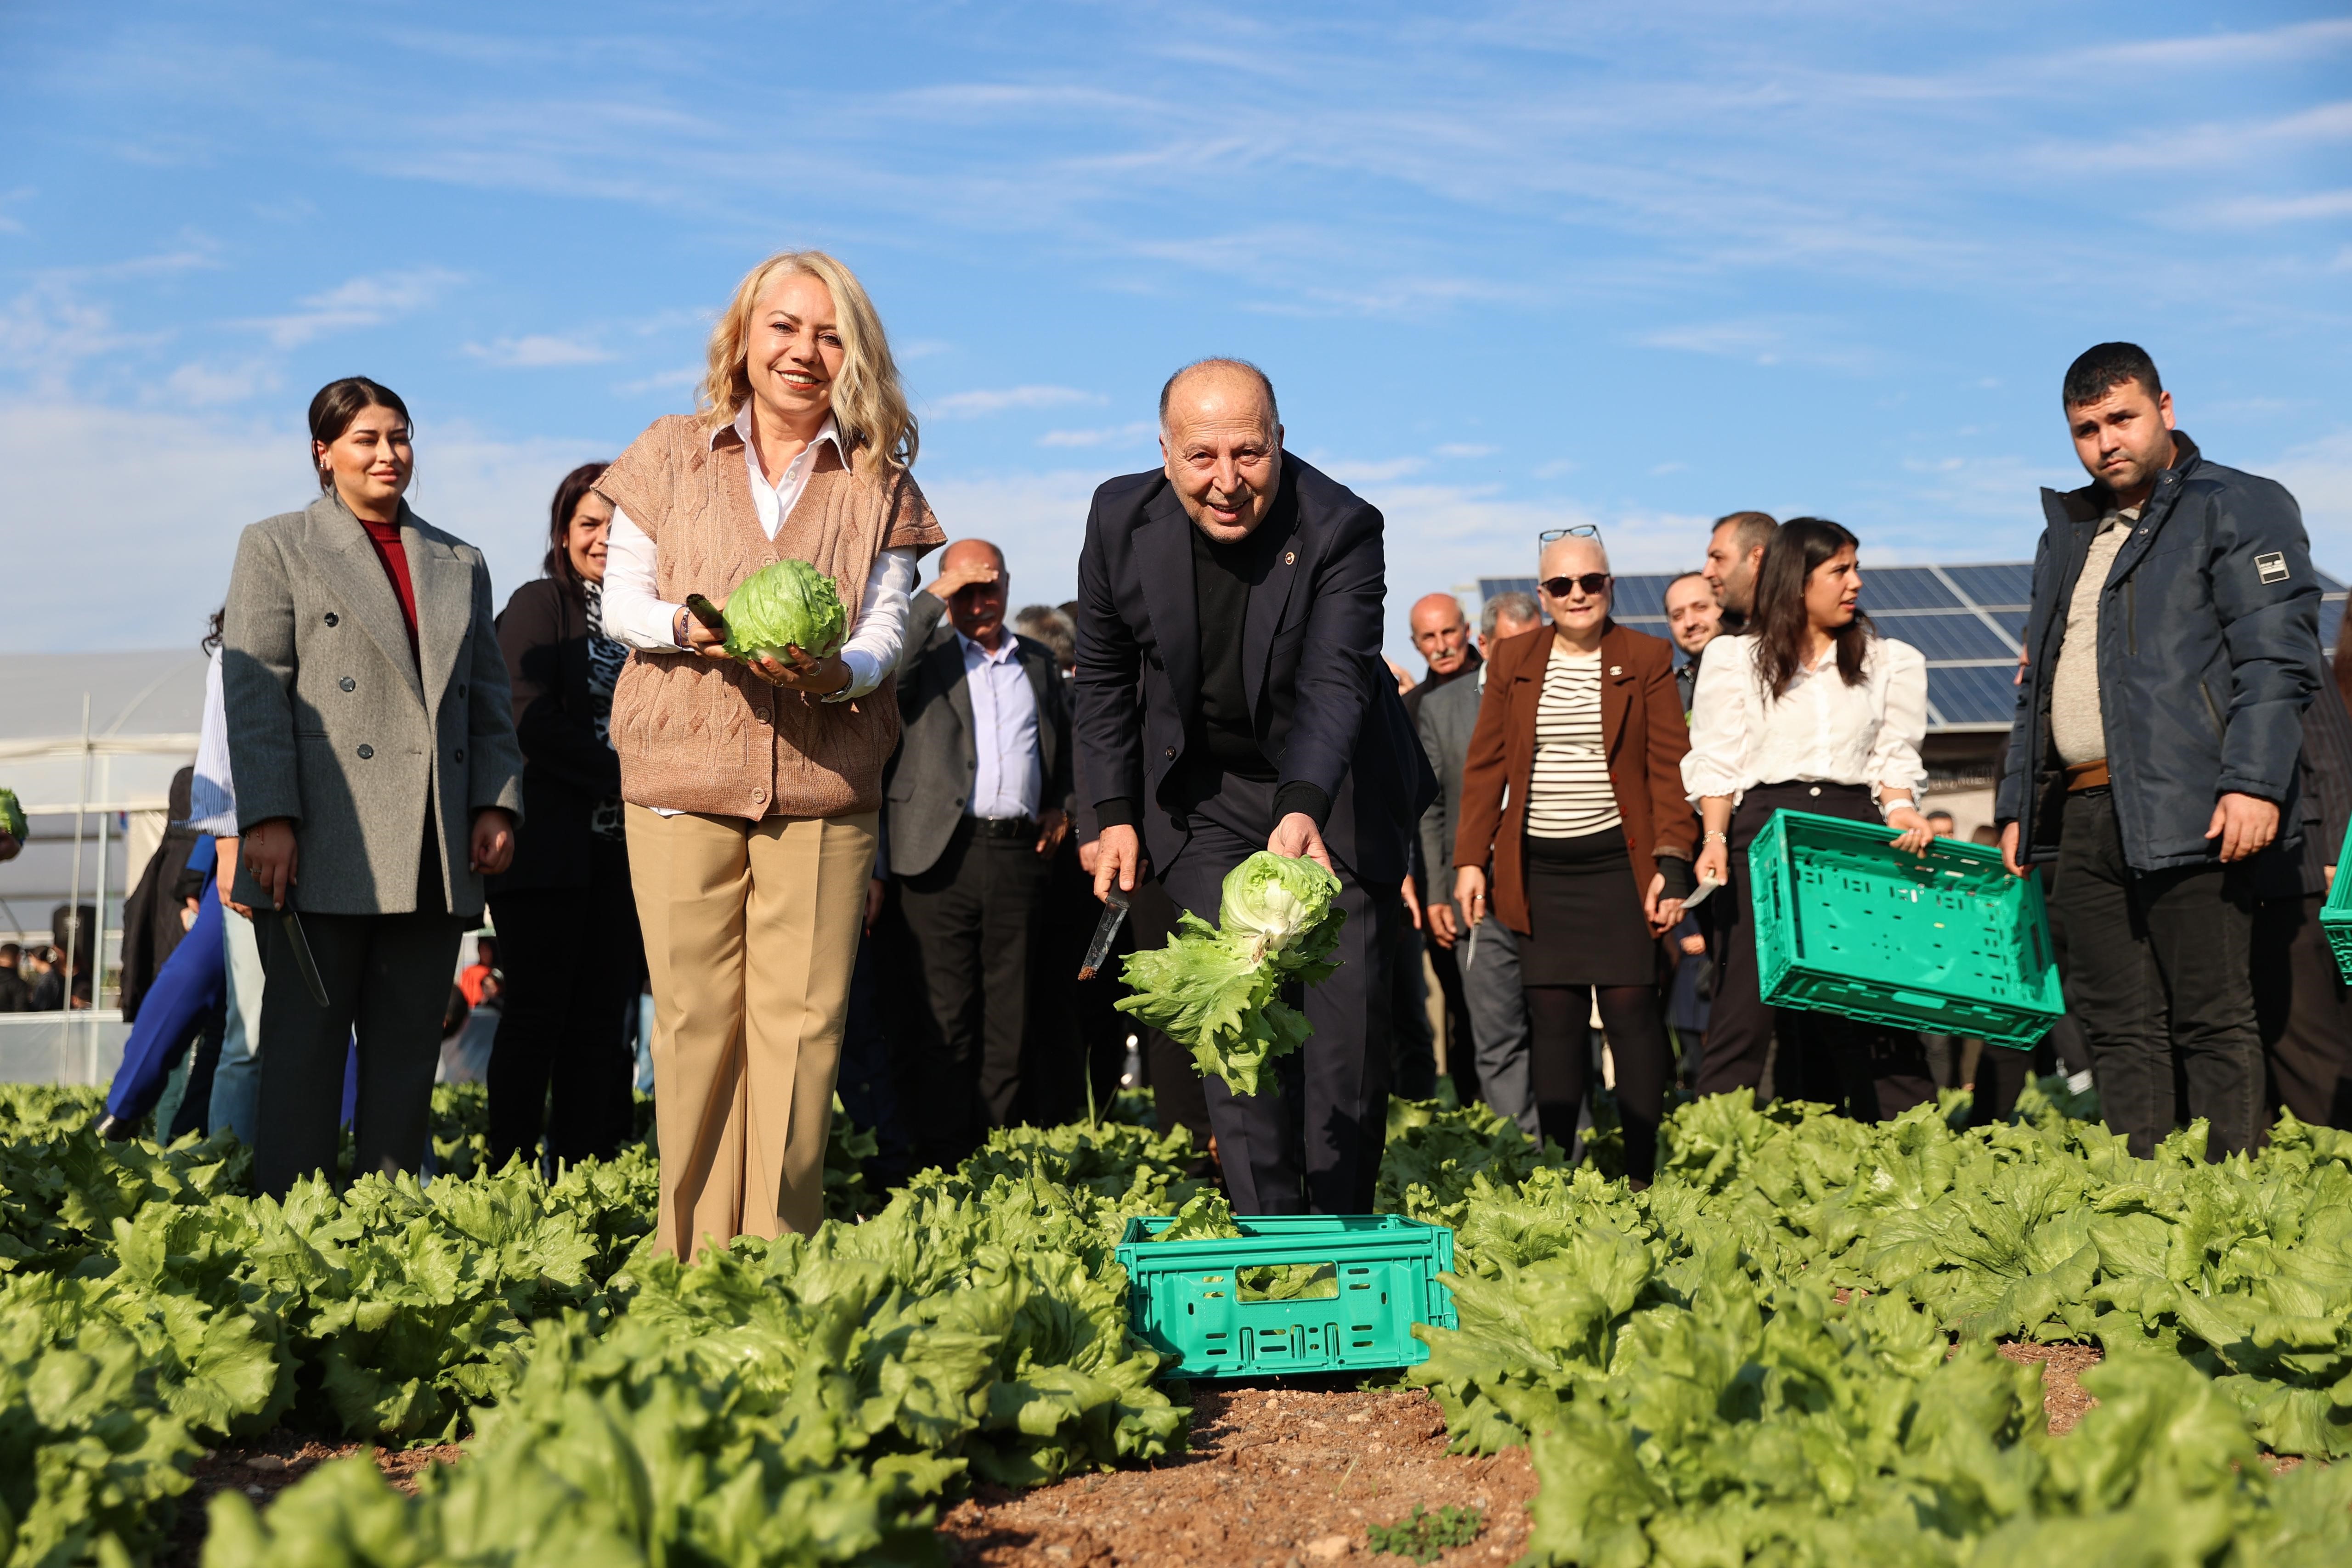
568,938
377,781
1572,792
1809,710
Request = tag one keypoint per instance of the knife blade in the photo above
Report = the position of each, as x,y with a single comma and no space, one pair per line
1098,950
303,961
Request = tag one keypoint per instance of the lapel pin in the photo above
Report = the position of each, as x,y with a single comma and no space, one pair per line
1615,670
1290,558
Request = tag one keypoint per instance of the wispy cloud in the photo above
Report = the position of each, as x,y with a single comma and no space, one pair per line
1142,429
1767,341
1467,449
986,401
538,351
369,302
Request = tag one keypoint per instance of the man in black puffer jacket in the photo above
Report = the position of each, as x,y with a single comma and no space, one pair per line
2173,645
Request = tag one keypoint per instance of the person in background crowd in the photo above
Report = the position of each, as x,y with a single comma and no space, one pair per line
568,944
14,992
1735,553
1809,710
976,808
155,915
2343,671
1945,825
2302,1006
64,983
183,1007
1694,615
486,944
212,804
755,788
378,781
1572,792
1442,636
2171,649
1052,627
1490,968
45,985
1265,723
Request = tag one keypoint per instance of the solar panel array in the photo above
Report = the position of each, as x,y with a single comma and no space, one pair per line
1968,619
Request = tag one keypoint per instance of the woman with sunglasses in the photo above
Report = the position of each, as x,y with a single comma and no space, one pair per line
1572,793
1809,710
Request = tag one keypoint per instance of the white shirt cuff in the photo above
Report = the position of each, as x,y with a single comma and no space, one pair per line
872,650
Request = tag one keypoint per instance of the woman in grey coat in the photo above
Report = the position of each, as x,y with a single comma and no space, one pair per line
378,781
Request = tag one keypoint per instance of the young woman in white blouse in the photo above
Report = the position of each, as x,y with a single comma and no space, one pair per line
1811,710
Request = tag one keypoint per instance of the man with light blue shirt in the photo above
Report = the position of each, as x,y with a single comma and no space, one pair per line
975,802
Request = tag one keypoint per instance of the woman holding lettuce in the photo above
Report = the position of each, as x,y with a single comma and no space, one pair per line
752,785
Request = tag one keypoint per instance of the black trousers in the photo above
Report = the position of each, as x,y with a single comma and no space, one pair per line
2304,1012
1871,1073
387,977
1559,1038
1314,1145
574,964
974,920
2159,967
1460,1051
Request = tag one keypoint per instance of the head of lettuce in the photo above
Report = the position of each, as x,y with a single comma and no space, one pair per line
785,605
1217,989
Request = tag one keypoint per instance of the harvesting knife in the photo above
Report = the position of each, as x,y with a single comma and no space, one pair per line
303,961
1098,950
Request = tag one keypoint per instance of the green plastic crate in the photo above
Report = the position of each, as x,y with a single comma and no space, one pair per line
1369,1278
1947,941
2336,915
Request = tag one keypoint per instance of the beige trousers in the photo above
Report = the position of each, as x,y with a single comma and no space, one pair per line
751,930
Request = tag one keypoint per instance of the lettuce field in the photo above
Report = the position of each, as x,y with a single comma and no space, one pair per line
1783,1352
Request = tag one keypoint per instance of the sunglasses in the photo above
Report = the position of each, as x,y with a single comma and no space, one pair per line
1593,582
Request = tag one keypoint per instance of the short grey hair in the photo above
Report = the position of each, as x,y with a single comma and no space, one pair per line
1045,623
1516,605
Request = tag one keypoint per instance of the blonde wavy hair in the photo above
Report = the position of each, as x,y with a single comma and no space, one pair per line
869,404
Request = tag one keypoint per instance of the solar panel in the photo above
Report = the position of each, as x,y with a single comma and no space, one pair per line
2331,622
1954,636
1972,695
2003,582
1905,588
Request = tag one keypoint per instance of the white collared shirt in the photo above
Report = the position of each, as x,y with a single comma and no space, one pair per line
637,615
1009,772
1821,731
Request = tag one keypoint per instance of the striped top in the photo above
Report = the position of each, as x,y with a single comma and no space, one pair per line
1570,795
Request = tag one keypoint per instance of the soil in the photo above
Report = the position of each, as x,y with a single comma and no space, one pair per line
1289,1473
267,1466
2063,1399
1284,1475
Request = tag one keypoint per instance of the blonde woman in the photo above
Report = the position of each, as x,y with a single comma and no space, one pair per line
752,791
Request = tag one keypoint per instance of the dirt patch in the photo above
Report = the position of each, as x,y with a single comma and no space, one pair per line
1285,1476
2063,1398
267,1466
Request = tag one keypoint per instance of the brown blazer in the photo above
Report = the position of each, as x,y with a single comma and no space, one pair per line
1643,728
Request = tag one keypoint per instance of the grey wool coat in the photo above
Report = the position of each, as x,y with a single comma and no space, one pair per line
331,723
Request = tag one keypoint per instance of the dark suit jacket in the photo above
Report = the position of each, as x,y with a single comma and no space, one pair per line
1325,706
929,779
1642,726
1446,717
567,768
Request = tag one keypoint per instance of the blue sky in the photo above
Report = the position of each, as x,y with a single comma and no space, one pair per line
1509,266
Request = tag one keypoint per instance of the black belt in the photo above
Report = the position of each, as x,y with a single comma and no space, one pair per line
1004,827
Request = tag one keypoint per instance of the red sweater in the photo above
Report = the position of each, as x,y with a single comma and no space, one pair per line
385,537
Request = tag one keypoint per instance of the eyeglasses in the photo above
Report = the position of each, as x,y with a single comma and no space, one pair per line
1593,582
1581,531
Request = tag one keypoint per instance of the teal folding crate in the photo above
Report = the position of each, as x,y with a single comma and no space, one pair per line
1947,941
1294,1292
2336,915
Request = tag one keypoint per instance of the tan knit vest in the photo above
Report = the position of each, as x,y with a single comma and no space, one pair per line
699,735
